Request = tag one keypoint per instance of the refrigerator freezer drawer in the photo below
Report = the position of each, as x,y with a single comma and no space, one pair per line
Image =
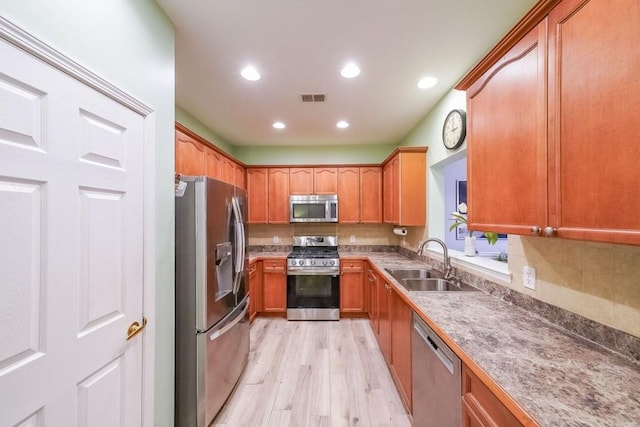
226,353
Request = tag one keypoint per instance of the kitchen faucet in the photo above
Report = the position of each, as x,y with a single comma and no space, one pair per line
447,261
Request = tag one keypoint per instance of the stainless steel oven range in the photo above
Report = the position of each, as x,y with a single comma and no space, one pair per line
313,279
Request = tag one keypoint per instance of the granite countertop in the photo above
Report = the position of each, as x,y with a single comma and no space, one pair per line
559,378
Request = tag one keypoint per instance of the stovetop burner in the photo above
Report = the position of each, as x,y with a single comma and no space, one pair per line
313,252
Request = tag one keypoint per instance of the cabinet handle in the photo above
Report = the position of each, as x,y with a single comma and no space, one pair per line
549,231
535,230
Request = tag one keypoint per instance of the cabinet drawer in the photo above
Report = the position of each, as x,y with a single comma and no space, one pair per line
272,265
351,265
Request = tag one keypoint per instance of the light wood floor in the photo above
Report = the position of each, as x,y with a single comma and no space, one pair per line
320,374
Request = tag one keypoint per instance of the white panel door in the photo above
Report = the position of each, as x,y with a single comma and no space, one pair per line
71,252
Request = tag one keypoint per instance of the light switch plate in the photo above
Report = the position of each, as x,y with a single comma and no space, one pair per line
529,277
352,239
276,239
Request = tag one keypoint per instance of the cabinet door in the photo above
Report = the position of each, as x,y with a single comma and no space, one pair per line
213,164
374,313
325,180
594,94
386,192
349,195
352,286
240,177
395,190
278,189
274,286
412,189
300,180
228,170
257,186
401,325
370,195
189,155
506,137
255,288
384,310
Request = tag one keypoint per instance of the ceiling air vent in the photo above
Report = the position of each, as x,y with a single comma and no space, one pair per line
313,97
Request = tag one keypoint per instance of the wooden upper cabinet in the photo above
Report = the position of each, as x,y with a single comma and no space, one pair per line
349,195
228,170
213,164
240,179
405,187
370,195
257,190
301,181
551,124
325,180
195,156
190,158
506,133
278,190
360,195
594,111
308,180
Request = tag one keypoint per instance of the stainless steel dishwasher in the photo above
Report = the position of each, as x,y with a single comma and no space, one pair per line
436,378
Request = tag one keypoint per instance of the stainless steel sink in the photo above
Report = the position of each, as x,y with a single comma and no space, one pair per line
413,273
436,285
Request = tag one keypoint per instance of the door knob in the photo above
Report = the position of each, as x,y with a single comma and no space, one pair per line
549,231
535,230
135,328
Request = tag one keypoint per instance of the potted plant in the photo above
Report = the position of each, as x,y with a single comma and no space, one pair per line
460,218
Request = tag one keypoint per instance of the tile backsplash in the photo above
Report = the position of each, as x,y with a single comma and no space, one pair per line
363,234
595,280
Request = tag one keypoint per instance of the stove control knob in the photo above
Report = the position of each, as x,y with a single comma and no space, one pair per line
332,262
324,262
313,262
300,262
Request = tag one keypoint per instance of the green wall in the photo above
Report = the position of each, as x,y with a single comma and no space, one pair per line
316,155
130,43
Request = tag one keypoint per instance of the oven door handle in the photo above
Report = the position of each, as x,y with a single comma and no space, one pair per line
313,273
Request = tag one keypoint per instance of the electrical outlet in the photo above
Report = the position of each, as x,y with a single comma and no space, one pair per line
352,239
529,277
276,239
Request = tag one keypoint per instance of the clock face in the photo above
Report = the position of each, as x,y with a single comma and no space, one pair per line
454,129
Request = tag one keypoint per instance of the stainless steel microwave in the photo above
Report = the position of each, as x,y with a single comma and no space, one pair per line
313,208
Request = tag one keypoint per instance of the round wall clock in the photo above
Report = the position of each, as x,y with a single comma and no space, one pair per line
454,129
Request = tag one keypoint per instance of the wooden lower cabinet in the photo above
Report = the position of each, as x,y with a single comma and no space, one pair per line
255,288
391,320
374,313
480,407
384,322
401,325
274,286
352,290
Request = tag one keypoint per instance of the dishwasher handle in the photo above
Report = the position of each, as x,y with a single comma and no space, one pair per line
431,343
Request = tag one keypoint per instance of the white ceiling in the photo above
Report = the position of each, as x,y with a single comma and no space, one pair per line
299,46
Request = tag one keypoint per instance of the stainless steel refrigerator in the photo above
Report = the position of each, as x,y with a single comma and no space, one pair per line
212,322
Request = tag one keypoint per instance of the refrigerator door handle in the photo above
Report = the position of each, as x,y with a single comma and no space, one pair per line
239,245
215,334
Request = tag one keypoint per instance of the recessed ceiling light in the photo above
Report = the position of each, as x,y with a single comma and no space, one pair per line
350,70
250,73
427,82
278,125
342,124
